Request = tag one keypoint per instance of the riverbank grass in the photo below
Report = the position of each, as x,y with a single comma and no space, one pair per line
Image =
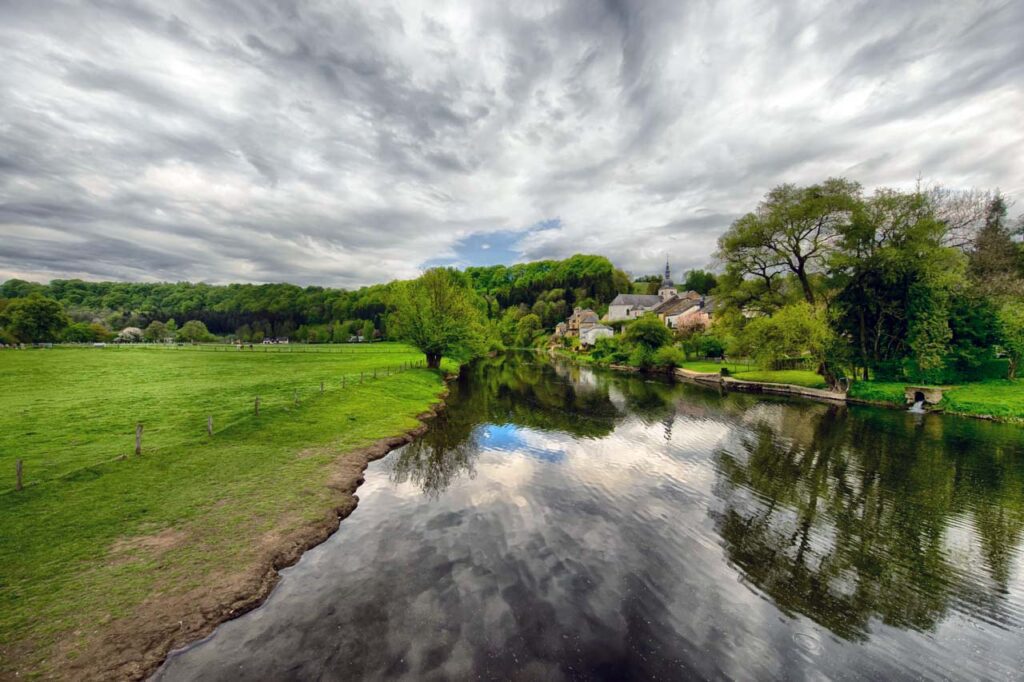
100,536
999,398
745,372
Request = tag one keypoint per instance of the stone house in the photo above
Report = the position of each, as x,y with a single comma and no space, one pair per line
580,321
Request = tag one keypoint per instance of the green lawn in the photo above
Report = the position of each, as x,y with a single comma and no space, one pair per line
797,377
70,415
999,398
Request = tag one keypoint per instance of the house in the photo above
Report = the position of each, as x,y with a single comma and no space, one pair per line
631,306
589,336
697,316
580,321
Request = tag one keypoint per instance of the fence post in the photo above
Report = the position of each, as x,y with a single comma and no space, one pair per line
296,397
257,406
138,438
209,425
360,377
374,372
17,475
321,387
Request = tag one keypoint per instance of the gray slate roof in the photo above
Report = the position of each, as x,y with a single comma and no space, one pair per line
637,300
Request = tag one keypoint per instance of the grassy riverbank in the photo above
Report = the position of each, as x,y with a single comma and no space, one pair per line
998,398
109,557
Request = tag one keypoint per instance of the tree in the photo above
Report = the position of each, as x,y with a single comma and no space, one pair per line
79,332
794,331
155,332
1011,327
700,281
194,331
649,332
994,261
130,335
34,319
441,315
368,331
527,328
794,230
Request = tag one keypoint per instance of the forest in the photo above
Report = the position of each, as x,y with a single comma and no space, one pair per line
543,292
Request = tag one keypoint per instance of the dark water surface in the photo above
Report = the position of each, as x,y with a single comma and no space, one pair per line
558,523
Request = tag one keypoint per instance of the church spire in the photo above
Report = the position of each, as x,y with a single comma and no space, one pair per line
668,275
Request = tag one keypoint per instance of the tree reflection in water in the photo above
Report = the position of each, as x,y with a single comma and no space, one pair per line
845,518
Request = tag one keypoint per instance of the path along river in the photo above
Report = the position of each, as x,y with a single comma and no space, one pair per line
561,523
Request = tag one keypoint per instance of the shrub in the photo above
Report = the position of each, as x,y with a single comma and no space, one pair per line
668,357
610,350
648,331
642,357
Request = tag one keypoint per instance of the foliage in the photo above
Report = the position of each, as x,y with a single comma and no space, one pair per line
1011,328
195,332
34,319
700,281
610,350
794,331
794,230
155,332
527,328
441,315
668,357
647,331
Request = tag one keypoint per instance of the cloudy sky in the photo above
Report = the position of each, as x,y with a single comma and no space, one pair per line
344,143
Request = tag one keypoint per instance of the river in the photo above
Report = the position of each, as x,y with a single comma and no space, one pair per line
561,523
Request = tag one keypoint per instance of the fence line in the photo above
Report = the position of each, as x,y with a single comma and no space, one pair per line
345,381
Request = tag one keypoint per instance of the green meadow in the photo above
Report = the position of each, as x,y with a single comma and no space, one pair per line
70,416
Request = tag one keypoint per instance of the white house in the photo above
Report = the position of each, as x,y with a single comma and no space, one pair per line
589,336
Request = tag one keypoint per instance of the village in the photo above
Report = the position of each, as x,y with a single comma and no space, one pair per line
686,310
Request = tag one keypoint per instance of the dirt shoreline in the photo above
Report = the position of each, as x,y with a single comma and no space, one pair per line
134,647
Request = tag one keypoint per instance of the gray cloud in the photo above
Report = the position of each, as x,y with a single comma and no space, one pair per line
344,143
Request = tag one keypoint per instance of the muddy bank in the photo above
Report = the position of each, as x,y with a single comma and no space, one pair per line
134,646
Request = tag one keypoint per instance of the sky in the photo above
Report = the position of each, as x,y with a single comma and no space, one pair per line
347,143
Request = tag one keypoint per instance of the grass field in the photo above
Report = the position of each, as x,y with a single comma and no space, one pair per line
75,544
797,377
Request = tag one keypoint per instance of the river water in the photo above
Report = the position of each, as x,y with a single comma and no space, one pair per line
560,523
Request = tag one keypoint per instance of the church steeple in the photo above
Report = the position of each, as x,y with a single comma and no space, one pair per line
667,289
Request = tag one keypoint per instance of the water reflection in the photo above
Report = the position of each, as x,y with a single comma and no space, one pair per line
561,523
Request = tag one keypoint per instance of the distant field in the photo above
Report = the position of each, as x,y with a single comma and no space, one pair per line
70,414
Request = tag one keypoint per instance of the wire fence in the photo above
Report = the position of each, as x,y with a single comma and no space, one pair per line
269,401
340,348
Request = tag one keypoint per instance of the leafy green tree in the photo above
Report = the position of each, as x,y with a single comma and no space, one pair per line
441,315
34,319
994,263
527,328
794,230
79,332
700,281
368,331
649,332
668,357
797,330
156,332
194,331
1011,327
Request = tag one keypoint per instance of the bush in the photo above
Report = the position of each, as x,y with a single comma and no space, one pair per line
610,351
668,357
642,357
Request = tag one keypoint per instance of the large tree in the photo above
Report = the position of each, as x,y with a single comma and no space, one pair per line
35,318
794,230
441,315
